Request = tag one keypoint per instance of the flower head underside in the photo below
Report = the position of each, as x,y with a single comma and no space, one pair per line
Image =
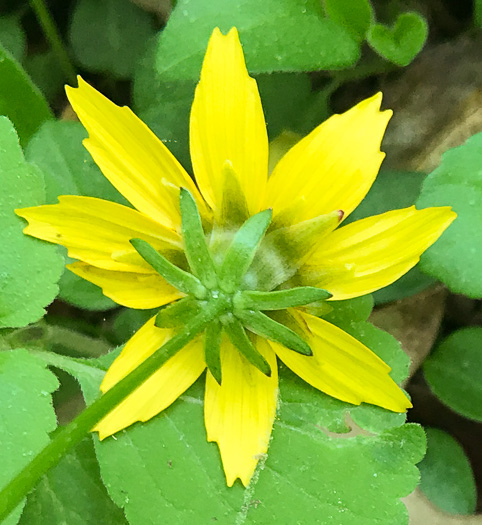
241,253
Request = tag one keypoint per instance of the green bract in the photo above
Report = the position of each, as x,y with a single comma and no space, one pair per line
220,295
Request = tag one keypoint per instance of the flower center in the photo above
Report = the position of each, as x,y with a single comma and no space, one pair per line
223,291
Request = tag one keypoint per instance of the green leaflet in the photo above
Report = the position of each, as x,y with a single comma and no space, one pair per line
401,43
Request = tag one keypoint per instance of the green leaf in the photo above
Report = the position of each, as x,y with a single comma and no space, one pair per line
454,370
121,31
309,42
20,99
401,43
25,388
69,170
446,475
355,480
72,493
457,182
349,481
12,37
355,15
392,190
29,268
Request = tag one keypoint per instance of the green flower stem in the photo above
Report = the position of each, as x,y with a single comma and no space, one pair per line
69,436
54,38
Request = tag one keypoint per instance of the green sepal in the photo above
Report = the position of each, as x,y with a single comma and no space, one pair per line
280,299
242,250
196,249
183,281
264,326
242,342
178,313
212,349
286,248
234,208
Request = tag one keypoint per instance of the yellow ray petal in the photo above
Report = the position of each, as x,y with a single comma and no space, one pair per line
227,124
129,289
239,414
344,368
161,389
98,231
374,252
134,160
333,167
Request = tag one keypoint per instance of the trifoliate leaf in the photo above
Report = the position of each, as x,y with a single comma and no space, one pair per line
457,182
454,369
20,99
121,31
69,170
72,493
446,475
26,413
29,268
401,43
45,72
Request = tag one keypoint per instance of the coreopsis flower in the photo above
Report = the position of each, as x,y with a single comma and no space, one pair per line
237,259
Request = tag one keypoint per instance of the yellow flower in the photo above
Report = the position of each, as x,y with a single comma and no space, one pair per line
312,188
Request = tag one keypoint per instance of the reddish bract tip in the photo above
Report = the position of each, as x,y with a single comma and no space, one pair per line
341,214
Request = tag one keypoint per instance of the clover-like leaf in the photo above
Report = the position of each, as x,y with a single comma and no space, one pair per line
401,43
29,268
25,388
454,369
457,182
